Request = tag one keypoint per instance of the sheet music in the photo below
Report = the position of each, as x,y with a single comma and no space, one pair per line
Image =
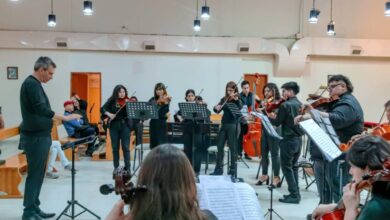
267,125
227,200
329,149
325,124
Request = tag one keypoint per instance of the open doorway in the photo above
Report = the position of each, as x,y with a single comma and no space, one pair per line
262,81
88,86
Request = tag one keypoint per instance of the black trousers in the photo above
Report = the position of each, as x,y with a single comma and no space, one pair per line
158,132
198,149
269,144
37,150
290,149
228,132
243,131
120,135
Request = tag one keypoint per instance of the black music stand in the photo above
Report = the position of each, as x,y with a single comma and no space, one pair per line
236,112
74,202
141,111
194,112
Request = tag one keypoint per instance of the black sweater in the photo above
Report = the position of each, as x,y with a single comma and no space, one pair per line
227,115
35,107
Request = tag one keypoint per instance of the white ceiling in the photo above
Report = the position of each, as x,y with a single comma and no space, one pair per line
238,18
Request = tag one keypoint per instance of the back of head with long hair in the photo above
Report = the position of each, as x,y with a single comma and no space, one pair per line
171,189
159,86
371,152
115,92
232,85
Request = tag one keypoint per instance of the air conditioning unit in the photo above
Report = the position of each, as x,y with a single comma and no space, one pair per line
62,42
149,45
356,50
243,47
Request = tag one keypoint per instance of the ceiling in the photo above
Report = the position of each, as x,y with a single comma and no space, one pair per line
238,18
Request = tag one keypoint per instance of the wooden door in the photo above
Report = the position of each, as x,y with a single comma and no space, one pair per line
88,86
263,80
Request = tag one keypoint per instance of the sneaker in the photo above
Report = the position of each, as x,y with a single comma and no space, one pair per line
52,175
68,167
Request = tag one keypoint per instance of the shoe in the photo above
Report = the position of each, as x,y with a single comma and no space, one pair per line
247,157
278,184
68,167
52,175
42,214
31,217
259,183
285,196
290,199
217,172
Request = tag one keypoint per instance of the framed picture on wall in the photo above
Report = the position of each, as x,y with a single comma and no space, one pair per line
12,72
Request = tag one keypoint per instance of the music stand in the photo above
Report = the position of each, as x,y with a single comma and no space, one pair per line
141,111
236,112
194,112
74,202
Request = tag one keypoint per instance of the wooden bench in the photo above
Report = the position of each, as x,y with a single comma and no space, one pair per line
11,172
55,137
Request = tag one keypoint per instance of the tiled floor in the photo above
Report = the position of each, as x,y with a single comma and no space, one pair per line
91,175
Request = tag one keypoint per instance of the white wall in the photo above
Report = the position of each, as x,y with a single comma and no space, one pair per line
137,71
140,71
370,78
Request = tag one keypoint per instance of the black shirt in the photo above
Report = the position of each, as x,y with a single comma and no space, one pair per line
288,110
35,107
162,110
346,116
246,100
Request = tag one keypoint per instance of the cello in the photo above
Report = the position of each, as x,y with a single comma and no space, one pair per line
251,140
368,180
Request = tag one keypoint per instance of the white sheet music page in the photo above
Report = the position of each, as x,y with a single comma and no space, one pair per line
227,200
323,141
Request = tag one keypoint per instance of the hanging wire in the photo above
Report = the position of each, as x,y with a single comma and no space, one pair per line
52,6
331,10
197,6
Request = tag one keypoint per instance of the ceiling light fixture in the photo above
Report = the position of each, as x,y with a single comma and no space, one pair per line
313,17
387,9
197,21
87,8
330,29
52,17
205,11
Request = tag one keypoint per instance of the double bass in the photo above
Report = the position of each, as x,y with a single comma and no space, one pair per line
251,140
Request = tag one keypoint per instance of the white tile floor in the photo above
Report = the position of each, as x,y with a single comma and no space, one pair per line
91,175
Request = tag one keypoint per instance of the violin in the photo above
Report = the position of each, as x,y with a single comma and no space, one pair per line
375,175
164,99
270,107
123,186
323,102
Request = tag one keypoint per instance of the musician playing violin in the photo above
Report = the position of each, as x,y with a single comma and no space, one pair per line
119,126
346,117
270,144
228,126
290,145
246,98
158,127
367,154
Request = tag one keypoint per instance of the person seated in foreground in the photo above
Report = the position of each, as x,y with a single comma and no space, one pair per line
366,154
171,191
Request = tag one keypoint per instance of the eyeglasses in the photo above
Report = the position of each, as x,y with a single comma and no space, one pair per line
334,86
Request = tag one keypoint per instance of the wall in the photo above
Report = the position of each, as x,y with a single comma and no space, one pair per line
137,71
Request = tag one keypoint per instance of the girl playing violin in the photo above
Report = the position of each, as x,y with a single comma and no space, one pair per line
228,127
188,131
158,127
367,154
118,123
270,144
